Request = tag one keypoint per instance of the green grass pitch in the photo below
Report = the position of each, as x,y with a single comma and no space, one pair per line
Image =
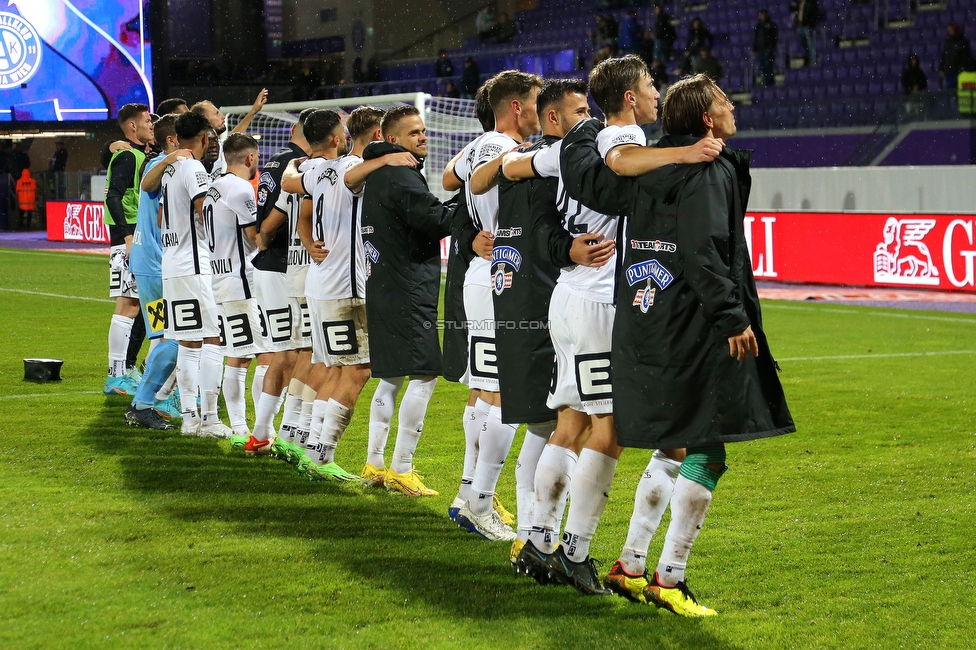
855,532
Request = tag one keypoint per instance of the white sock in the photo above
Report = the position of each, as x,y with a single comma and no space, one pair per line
337,418
553,476
211,366
650,502
380,415
304,421
312,443
257,384
167,387
118,344
589,492
152,345
689,505
264,415
525,466
188,379
293,407
410,423
493,447
474,422
233,388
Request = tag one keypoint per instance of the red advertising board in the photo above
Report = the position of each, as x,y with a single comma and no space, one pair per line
79,221
921,251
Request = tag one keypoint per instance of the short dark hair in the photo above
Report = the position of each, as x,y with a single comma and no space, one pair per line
393,117
130,112
508,85
190,125
685,103
364,120
164,128
237,146
554,91
319,125
304,115
611,78
168,106
482,107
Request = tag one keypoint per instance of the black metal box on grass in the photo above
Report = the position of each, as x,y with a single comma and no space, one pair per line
42,369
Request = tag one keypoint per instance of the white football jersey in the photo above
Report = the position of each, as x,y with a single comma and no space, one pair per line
483,208
229,208
592,283
184,238
336,221
615,136
298,259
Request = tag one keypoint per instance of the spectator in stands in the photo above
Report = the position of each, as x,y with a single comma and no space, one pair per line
506,30
706,64
20,160
485,24
470,78
631,34
452,91
956,56
913,78
443,67
664,34
605,34
602,55
806,15
358,74
373,74
764,42
659,74
699,38
647,47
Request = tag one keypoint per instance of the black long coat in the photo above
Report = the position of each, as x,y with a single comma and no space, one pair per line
685,285
403,224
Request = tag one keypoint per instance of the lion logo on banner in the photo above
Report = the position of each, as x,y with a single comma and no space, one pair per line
73,230
903,258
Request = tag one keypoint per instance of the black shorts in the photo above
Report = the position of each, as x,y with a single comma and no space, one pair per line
119,233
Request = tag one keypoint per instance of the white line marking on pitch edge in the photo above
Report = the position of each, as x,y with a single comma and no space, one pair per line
879,355
80,392
56,295
865,312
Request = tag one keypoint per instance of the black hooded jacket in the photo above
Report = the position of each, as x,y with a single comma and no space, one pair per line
403,224
685,285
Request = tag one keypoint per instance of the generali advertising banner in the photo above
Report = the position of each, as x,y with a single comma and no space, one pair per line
931,251
79,221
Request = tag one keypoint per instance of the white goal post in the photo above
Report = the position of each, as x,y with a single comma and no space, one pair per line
451,124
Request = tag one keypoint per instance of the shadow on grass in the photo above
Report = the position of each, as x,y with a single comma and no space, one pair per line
402,544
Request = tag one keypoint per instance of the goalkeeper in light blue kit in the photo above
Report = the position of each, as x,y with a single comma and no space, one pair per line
156,401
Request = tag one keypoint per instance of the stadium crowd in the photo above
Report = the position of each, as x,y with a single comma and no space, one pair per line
599,290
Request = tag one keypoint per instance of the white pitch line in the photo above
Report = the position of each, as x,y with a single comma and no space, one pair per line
56,295
879,356
80,392
865,312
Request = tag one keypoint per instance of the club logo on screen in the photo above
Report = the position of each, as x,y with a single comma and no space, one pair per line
20,50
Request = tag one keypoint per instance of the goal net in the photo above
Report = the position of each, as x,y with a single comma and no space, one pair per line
451,124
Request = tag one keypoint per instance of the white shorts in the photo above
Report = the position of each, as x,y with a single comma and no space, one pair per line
581,331
276,312
121,283
241,334
479,310
191,313
339,335
301,324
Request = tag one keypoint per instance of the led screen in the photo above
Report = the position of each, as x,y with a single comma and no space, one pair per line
64,60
